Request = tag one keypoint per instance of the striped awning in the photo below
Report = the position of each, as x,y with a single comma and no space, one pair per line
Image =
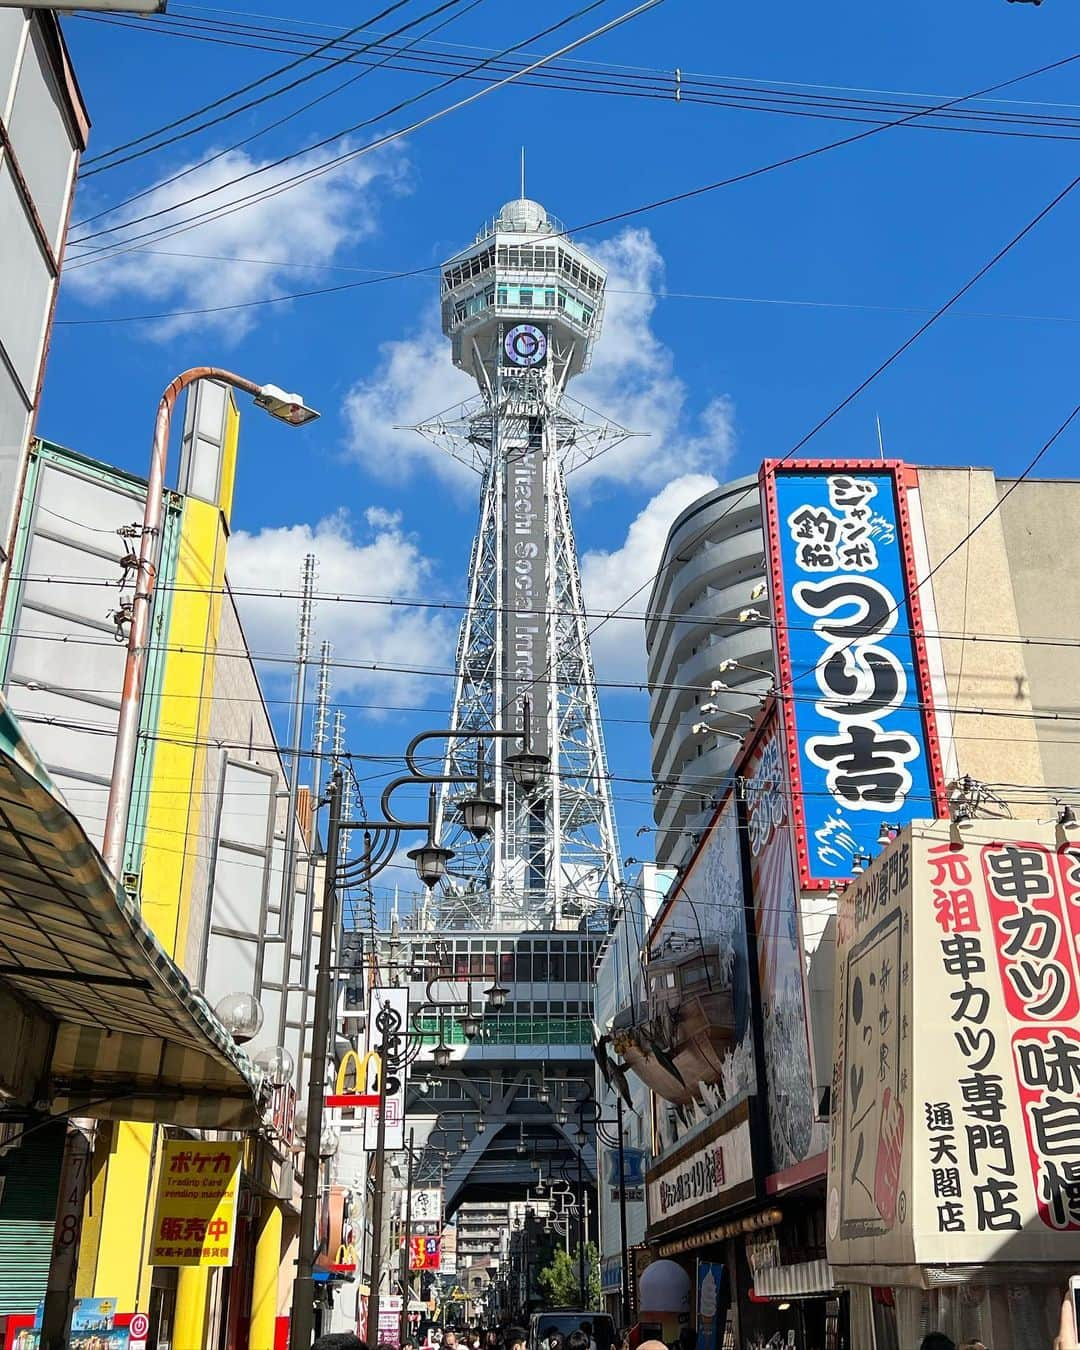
800,1279
114,1026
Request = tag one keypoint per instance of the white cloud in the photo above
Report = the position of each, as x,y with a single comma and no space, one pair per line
377,558
609,579
414,380
632,380
310,223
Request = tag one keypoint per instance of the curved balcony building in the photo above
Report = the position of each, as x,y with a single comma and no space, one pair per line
713,563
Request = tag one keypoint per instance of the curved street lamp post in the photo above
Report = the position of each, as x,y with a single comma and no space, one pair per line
381,837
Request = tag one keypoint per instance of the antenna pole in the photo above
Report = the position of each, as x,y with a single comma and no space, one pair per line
523,172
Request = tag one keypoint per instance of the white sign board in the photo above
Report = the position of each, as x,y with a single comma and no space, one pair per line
955,1133
387,1036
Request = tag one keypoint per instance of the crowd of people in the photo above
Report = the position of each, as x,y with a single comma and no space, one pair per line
475,1338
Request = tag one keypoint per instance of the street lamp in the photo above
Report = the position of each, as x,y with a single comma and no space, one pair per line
430,861
241,1015
496,996
288,408
277,1064
442,1054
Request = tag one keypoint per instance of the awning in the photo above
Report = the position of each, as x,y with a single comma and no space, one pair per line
98,1019
798,1280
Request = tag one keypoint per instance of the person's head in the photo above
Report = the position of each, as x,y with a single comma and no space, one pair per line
587,1328
937,1340
339,1340
577,1340
449,1339
384,1345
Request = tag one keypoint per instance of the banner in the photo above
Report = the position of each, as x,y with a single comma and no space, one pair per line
427,1204
525,634
793,1133
710,1283
956,1091
852,673
424,1253
387,1034
197,1194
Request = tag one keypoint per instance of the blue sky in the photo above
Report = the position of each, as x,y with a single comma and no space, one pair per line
835,261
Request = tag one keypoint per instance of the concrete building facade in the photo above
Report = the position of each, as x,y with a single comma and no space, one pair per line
998,603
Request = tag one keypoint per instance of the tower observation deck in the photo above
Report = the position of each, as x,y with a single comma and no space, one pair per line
523,306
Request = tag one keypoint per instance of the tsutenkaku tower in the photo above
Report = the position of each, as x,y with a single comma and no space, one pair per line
522,307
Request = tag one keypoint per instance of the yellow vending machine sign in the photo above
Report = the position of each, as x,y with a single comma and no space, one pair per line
197,1195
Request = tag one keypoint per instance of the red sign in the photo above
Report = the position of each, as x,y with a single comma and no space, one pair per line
424,1253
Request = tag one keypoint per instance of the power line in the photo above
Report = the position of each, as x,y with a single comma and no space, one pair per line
236,93
307,175
656,204
668,86
684,617
279,122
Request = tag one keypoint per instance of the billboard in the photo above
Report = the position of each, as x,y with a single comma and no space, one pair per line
197,1196
794,1134
525,636
955,1133
852,673
387,1033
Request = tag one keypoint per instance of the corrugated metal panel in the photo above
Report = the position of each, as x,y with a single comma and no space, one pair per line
31,1174
799,1280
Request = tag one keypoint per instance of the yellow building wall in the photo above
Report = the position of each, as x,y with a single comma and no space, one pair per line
174,856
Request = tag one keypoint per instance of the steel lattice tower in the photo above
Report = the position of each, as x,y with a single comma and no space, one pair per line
522,307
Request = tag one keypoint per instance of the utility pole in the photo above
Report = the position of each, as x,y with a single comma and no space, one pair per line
622,1216
303,1305
406,1251
377,1205
581,1226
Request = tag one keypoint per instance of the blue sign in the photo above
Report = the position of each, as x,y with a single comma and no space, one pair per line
849,677
633,1170
710,1304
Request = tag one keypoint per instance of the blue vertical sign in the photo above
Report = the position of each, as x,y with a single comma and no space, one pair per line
852,671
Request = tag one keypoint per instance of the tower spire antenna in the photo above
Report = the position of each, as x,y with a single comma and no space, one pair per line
522,307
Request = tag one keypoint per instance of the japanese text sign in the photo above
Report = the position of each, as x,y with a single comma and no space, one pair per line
424,1253
956,1132
197,1195
387,1031
852,672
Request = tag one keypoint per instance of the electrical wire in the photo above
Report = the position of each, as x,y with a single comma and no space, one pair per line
92,160
288,117
347,156
669,86
656,204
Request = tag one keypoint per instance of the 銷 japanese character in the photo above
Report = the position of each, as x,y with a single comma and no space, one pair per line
811,556
939,1116
963,956
1055,1123
846,492
1054,1065
995,1204
950,1217
1030,931
1048,982
858,556
942,1149
1061,1190
977,1047
990,1139
984,1096
946,1182
1018,873
972,1003
955,911
948,866
865,765
819,526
